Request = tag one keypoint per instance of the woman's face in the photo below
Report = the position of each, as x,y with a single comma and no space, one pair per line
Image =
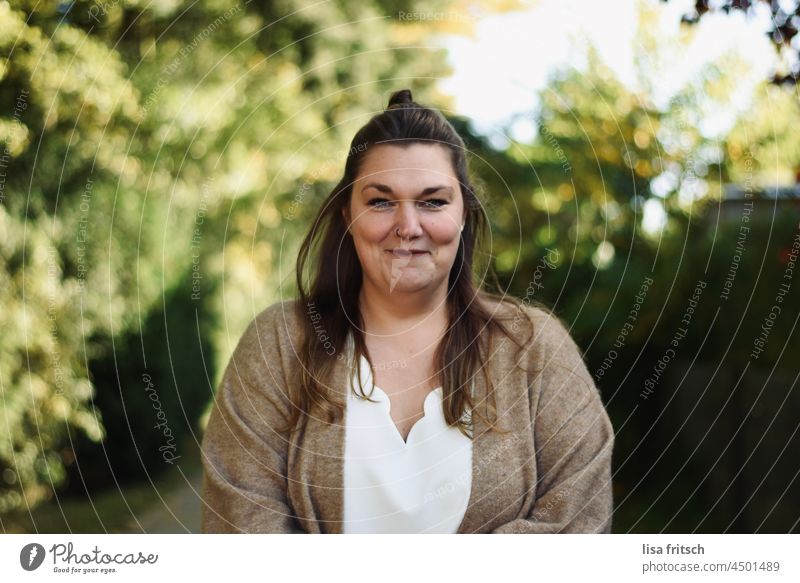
406,211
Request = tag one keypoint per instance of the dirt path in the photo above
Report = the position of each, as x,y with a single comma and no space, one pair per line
182,501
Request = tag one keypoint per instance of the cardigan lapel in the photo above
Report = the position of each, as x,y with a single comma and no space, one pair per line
491,503
325,460
325,445
473,517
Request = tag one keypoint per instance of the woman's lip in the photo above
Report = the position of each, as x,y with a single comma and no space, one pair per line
405,252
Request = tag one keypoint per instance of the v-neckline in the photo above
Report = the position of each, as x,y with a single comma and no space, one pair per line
425,406
326,472
405,442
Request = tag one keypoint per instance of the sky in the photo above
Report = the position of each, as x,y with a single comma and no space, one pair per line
498,74
513,54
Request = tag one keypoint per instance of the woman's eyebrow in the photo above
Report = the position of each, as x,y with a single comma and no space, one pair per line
388,190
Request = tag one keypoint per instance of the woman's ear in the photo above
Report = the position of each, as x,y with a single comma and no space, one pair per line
346,216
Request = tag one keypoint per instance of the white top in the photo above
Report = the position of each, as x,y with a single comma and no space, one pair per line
421,485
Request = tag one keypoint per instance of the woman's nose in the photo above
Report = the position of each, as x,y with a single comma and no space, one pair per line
408,224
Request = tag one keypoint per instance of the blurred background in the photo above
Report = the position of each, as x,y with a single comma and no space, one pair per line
161,161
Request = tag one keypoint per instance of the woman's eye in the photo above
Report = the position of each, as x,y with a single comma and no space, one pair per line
379,203
382,203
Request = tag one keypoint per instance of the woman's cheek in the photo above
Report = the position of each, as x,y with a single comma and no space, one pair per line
377,231
448,233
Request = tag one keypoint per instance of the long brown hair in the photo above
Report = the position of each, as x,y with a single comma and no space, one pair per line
328,310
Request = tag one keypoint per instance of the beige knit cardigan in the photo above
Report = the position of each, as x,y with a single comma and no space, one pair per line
551,474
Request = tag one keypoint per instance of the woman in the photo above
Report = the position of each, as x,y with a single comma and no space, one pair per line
394,396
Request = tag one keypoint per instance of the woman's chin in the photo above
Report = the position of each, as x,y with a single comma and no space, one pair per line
407,285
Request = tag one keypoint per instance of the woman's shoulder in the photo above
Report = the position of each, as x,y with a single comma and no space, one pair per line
535,325
508,309
282,311
549,350
506,305
272,326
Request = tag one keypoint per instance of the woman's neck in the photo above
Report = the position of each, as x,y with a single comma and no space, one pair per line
401,315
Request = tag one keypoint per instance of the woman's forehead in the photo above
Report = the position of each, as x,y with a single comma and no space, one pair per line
433,156
413,165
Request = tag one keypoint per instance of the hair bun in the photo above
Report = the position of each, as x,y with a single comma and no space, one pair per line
400,99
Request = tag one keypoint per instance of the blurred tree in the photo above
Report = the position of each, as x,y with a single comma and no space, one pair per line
602,156
613,214
164,157
785,21
57,193
763,148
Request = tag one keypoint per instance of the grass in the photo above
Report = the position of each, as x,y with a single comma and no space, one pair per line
134,508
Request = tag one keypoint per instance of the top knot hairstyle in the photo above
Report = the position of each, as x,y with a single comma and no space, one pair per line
400,99
328,307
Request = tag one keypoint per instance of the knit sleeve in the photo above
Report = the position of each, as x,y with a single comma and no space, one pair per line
244,457
573,439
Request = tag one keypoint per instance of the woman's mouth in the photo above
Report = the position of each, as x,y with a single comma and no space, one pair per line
406,252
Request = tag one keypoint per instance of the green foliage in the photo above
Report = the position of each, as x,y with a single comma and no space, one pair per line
763,149
155,155
51,302
569,231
